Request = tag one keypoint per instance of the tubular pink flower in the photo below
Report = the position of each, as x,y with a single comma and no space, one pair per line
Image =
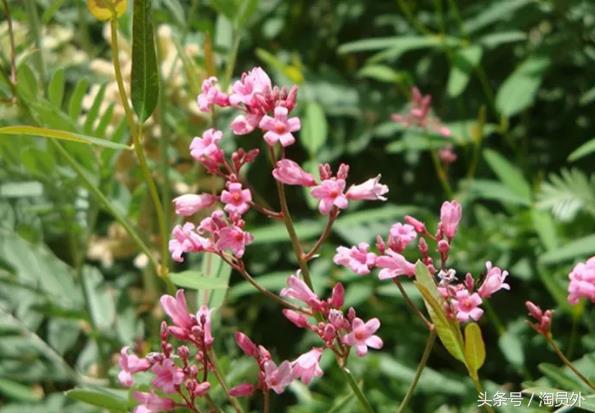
277,378
186,240
235,239
337,296
279,128
207,146
299,290
246,90
129,365
371,190
190,204
307,366
582,282
357,259
237,200
419,114
167,376
203,317
177,310
247,345
330,193
466,305
244,124
394,264
362,336
419,226
290,173
543,318
298,319
494,281
400,236
211,95
242,390
450,216
151,403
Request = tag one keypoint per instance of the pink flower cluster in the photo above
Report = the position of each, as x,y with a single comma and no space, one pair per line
419,115
543,318
271,376
462,298
180,376
582,282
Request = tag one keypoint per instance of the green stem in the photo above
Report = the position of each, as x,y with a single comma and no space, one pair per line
420,368
12,56
267,401
234,402
478,387
412,305
231,59
34,28
567,362
365,404
441,173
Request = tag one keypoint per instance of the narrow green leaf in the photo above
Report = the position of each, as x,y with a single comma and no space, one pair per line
464,61
56,88
17,391
475,352
315,128
582,151
100,398
76,99
60,135
580,247
197,281
145,74
94,110
214,268
509,174
100,300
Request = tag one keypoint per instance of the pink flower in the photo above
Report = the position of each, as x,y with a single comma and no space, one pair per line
211,95
337,296
207,147
190,204
277,378
401,235
129,365
186,240
167,376
299,290
357,259
298,319
307,366
177,309
203,317
290,173
280,127
330,193
543,318
448,155
242,390
394,264
494,281
255,82
419,114
244,124
237,200
362,336
235,239
450,216
151,403
582,282
467,305
247,345
371,190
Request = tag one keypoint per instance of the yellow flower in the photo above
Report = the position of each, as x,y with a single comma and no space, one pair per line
106,9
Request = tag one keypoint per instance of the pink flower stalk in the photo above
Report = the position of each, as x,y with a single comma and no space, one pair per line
357,259
189,204
400,236
290,173
299,290
543,318
211,95
129,365
279,127
362,336
206,148
242,390
167,376
466,305
246,90
235,239
450,216
371,190
237,200
494,281
307,366
419,114
394,264
186,240
177,309
244,124
582,282
330,193
151,403
277,378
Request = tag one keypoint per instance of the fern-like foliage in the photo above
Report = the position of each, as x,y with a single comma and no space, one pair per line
568,193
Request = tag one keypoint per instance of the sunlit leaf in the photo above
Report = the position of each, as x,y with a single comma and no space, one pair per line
60,135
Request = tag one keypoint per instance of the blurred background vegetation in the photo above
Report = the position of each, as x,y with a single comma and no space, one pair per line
512,79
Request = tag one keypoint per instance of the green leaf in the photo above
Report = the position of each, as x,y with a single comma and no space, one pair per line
577,248
400,43
382,73
60,135
464,61
100,398
492,40
100,300
56,88
585,149
94,110
76,99
497,191
519,89
197,281
145,74
495,11
314,131
448,330
18,391
508,173
567,194
475,352
214,268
